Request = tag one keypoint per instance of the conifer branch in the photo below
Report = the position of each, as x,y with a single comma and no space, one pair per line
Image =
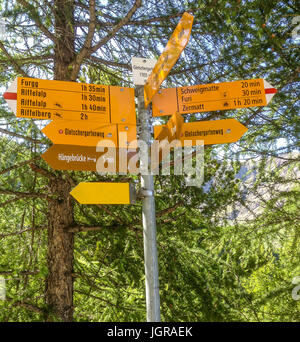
13,62
117,27
37,20
23,194
88,41
17,135
19,232
77,229
25,305
18,165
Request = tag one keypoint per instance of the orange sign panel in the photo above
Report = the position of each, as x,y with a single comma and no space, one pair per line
89,134
84,158
61,100
127,136
175,125
211,132
122,105
212,97
172,129
168,58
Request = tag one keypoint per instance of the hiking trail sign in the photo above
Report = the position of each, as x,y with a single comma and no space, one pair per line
171,130
169,56
104,193
141,69
86,158
90,134
211,132
212,97
60,100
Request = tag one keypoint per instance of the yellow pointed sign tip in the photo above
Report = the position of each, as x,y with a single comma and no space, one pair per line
235,129
243,129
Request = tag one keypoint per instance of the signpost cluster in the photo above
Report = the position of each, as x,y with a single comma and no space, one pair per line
84,115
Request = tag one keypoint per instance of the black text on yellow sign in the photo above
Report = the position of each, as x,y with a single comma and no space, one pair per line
61,100
212,97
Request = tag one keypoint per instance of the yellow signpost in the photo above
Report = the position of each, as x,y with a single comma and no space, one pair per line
60,100
104,193
89,115
212,97
211,132
168,58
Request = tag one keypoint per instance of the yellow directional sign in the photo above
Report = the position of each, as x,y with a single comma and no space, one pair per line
104,193
90,134
168,58
211,132
86,158
175,125
60,100
172,129
212,97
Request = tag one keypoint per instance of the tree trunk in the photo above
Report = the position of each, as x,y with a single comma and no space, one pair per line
59,287
59,284
64,49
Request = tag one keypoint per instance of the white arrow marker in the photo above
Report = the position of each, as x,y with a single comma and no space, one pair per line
10,96
270,91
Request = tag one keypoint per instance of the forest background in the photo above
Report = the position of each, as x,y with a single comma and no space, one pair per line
228,251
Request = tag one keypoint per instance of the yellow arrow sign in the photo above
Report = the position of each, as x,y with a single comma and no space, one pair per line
56,100
86,158
211,132
104,193
212,97
168,58
172,129
175,125
90,134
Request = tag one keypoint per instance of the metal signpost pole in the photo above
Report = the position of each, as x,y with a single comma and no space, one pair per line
149,219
